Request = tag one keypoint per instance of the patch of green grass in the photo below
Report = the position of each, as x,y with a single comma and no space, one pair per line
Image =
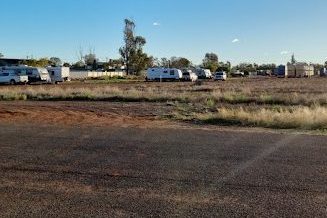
210,103
13,96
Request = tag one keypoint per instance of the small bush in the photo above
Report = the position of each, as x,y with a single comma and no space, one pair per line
210,103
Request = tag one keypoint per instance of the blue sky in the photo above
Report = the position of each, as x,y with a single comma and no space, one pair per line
237,30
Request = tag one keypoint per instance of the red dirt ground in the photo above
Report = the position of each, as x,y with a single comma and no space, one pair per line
83,113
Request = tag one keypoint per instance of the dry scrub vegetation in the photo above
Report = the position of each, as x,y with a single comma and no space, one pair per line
308,118
268,102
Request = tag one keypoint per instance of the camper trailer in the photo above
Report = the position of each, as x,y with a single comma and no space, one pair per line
203,73
35,74
59,74
189,75
164,74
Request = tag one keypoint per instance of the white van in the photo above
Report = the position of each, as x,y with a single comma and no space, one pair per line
163,74
59,74
12,78
35,74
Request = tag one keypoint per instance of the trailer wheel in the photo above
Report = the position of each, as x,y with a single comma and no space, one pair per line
12,82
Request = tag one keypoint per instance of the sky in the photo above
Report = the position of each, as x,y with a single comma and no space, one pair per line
261,31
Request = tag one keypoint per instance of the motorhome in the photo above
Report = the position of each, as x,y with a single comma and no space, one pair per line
35,74
59,74
164,74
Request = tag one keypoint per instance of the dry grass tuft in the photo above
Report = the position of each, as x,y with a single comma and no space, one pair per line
307,118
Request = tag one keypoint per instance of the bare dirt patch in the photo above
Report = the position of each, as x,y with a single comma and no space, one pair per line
83,113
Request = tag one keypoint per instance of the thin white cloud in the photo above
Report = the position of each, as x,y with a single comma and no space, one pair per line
156,24
284,52
235,41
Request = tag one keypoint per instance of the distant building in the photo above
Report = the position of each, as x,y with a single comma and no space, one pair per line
300,70
11,62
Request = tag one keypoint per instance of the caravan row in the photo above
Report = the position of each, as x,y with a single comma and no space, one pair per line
24,74
173,74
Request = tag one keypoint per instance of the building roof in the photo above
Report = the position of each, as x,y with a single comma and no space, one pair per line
10,61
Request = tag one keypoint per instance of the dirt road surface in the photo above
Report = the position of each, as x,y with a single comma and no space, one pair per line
78,168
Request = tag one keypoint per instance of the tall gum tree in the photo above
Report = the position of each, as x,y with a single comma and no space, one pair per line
132,53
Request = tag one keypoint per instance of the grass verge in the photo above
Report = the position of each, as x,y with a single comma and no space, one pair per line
187,94
304,118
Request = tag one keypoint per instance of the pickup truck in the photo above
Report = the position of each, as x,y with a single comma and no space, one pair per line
12,78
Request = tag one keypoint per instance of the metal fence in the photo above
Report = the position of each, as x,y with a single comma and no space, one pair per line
92,74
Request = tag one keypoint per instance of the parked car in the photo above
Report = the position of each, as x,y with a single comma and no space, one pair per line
59,74
35,74
323,72
189,75
220,76
164,74
238,74
11,77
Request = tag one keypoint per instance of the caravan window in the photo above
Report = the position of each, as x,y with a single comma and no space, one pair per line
4,74
35,72
17,71
21,72
29,72
172,72
165,71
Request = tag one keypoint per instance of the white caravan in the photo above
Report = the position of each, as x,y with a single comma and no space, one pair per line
188,75
59,74
203,73
164,74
